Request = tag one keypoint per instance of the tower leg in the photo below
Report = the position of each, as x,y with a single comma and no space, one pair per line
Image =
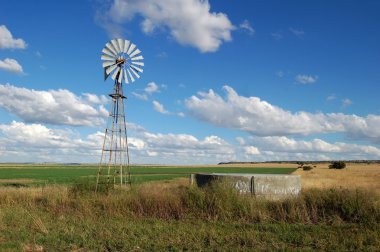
115,152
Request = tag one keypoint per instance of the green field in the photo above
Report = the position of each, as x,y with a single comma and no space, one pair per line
66,174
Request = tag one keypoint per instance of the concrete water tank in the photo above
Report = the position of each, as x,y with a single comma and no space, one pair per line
269,186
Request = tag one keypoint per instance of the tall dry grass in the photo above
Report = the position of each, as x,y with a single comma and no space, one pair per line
174,201
354,176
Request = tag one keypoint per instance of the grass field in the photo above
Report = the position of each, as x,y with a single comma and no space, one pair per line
22,175
170,216
338,210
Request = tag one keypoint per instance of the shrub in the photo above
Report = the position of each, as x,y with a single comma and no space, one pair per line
307,168
337,165
86,185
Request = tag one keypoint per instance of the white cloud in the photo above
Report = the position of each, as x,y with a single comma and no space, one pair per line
246,26
306,79
159,107
181,114
8,42
346,102
143,97
251,150
11,65
60,107
185,148
337,150
296,32
36,142
261,118
189,22
94,99
151,88
331,97
22,142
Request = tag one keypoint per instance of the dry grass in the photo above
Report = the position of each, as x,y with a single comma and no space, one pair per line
365,176
12,195
19,181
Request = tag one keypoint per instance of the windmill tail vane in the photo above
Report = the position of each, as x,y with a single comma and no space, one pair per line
123,62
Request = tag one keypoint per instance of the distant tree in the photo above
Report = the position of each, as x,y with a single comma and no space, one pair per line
307,167
337,165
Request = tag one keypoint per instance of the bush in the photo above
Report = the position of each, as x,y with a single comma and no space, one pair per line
307,168
86,185
337,165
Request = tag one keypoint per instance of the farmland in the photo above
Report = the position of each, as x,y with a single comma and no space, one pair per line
59,174
338,210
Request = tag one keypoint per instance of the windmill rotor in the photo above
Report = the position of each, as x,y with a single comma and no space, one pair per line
122,60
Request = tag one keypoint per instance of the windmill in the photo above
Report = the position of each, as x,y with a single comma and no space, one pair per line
123,62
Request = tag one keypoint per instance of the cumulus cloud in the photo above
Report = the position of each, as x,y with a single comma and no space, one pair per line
316,147
331,97
11,65
143,97
8,42
24,142
185,148
59,107
189,22
159,107
346,102
151,88
246,26
306,79
258,117
181,114
35,142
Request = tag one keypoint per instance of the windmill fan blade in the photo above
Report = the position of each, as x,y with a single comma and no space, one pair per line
120,42
106,57
138,58
125,76
108,63
137,51
136,68
108,52
105,74
126,45
110,69
120,77
130,76
135,73
110,47
131,48
115,73
115,45
137,63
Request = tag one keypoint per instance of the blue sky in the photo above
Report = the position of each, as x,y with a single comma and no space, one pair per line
223,80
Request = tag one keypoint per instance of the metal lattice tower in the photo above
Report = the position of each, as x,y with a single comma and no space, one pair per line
121,61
